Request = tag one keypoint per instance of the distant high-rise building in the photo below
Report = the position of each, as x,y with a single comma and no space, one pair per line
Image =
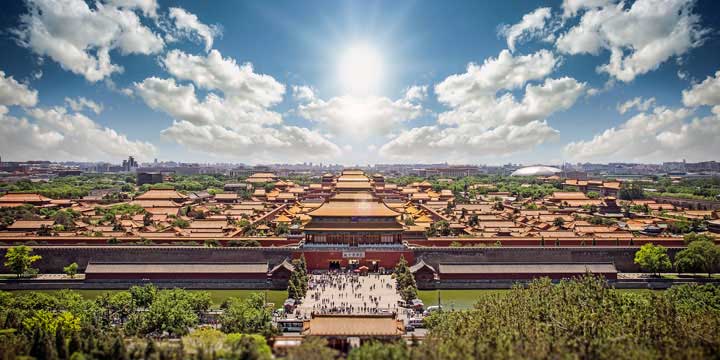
130,164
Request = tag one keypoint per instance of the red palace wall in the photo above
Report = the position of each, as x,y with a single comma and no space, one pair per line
175,276
518,276
320,260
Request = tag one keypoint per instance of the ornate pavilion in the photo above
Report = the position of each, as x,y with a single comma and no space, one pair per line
343,231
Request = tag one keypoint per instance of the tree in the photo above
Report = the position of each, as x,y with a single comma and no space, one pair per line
699,256
171,312
559,222
247,315
19,259
147,219
281,229
312,348
631,192
244,346
405,280
244,243
593,194
498,205
653,258
212,243
42,346
376,350
689,238
71,270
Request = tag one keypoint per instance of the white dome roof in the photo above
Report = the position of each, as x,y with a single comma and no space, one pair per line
536,171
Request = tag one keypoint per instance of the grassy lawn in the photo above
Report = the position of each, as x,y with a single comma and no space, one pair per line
216,296
465,299
458,299
689,276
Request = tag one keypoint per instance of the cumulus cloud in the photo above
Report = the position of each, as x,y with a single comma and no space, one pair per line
234,118
464,142
148,7
531,26
214,72
539,102
190,26
639,38
504,72
181,102
303,93
265,143
480,121
659,135
416,92
704,93
56,134
361,116
51,28
572,7
637,103
14,93
82,103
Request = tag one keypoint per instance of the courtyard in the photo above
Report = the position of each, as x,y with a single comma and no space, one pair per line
350,294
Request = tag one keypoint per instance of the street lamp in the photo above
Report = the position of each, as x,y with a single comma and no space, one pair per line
437,288
268,282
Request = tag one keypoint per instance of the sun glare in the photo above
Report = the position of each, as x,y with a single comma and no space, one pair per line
360,69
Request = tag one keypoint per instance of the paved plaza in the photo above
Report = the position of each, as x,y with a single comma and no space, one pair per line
350,294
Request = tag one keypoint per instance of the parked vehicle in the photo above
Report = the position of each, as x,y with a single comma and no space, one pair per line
290,325
432,309
416,323
289,305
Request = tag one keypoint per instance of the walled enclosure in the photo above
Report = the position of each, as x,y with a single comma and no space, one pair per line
54,258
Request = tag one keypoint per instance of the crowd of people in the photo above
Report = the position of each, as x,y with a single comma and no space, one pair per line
351,293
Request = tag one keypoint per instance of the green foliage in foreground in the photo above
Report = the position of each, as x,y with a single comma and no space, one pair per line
581,319
124,325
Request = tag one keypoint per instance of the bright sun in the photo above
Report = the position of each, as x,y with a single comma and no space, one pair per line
360,70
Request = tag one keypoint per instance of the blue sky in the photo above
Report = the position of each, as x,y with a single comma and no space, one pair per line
360,82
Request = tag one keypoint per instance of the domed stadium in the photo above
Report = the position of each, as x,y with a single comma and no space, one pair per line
536,171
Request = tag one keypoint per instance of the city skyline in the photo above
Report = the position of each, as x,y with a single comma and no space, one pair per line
360,83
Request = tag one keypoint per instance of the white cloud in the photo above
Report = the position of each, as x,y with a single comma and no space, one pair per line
360,116
481,123
530,26
56,134
637,103
572,7
539,102
237,123
14,93
639,39
181,102
416,92
704,93
433,143
189,24
253,142
83,103
504,72
80,38
148,7
661,135
213,72
303,93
